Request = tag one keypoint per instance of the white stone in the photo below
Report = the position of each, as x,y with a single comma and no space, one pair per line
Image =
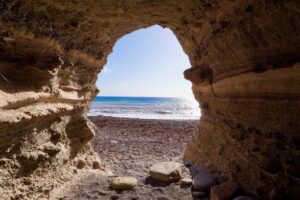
166,171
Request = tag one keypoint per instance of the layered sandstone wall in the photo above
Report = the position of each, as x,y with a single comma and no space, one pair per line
44,132
245,75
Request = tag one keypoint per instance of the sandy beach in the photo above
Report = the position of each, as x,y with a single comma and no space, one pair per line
128,147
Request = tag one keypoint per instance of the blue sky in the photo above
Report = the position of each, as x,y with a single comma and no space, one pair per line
146,62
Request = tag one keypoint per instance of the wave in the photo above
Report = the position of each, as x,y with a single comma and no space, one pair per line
145,108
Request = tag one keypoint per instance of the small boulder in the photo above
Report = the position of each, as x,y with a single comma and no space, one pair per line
225,191
203,181
123,183
166,171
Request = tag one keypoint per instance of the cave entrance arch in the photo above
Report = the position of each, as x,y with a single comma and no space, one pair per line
148,63
142,125
245,63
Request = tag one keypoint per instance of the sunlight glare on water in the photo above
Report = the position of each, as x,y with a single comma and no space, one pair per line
145,108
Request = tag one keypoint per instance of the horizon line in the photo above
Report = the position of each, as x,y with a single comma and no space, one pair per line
145,96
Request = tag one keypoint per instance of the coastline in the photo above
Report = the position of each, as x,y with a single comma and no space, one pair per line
145,108
124,136
94,117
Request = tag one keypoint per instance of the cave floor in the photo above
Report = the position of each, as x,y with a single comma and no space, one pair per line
128,147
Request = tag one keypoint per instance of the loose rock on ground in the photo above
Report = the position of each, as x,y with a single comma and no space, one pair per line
123,183
166,171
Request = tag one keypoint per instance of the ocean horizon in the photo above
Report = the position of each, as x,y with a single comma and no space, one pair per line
171,108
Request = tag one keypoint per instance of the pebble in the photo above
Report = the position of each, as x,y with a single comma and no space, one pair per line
123,183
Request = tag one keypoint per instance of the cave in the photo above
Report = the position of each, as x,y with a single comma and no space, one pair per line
245,74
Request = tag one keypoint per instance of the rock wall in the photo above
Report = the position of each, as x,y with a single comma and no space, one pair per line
245,72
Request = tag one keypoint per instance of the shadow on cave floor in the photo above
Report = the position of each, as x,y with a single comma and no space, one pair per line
128,147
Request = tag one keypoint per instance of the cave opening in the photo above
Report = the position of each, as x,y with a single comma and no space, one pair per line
245,74
145,112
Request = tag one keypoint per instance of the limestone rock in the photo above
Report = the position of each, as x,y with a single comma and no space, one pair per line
166,171
123,183
87,129
203,181
244,69
30,161
225,191
51,149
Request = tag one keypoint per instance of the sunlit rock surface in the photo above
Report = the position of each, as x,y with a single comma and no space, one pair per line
245,72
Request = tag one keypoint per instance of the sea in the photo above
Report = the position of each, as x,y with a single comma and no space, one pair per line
145,107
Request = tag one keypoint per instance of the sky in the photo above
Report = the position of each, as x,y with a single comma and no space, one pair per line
147,62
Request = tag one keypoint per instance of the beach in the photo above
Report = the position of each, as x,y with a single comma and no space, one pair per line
145,107
128,147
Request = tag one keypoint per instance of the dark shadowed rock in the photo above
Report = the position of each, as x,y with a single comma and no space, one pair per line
198,194
203,181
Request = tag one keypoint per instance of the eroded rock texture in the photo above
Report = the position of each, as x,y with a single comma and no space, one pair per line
245,72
